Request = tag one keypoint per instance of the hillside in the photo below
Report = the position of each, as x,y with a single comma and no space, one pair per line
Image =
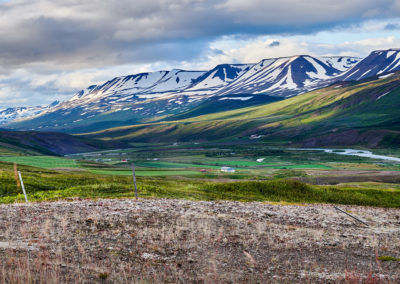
15,143
346,113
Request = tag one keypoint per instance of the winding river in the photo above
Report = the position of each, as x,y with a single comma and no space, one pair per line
351,152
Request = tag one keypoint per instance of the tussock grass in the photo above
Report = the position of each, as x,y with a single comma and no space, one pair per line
295,191
45,185
388,258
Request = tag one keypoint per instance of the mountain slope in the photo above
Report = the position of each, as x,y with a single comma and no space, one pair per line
364,113
289,76
125,89
224,103
48,143
15,113
145,97
377,63
219,77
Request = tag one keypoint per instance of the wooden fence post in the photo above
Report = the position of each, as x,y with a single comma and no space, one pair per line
16,175
134,181
22,185
348,214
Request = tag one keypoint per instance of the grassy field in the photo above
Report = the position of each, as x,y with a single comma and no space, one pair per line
142,173
173,165
44,184
193,172
46,162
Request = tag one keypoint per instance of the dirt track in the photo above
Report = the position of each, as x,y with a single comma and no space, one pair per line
123,241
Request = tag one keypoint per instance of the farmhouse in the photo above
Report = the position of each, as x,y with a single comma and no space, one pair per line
228,170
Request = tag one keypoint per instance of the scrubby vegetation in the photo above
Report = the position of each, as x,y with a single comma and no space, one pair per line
42,184
388,258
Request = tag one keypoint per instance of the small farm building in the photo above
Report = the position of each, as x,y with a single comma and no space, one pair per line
227,170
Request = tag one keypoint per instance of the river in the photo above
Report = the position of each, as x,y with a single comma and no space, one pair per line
351,152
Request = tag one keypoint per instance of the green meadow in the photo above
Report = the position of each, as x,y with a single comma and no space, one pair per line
46,162
45,185
194,172
146,173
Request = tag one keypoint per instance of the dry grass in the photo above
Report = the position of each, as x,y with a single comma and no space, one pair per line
123,241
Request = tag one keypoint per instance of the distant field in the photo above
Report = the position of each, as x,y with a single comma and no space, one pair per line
245,163
46,162
311,166
219,163
173,165
146,173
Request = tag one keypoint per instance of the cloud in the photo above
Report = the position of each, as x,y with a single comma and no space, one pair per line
52,48
274,43
76,34
262,47
392,27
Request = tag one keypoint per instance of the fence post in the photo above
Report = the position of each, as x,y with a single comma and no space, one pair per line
16,175
134,181
22,185
337,208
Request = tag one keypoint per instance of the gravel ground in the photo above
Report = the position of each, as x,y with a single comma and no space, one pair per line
178,241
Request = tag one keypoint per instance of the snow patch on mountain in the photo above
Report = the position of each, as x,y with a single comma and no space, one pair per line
235,98
386,76
219,76
381,96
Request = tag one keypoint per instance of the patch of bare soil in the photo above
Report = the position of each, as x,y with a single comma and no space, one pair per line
178,241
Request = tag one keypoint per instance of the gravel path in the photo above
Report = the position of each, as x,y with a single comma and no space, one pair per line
159,240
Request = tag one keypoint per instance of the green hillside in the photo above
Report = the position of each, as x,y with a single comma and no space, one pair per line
17,143
362,113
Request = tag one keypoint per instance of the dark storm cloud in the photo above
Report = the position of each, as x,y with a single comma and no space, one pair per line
76,34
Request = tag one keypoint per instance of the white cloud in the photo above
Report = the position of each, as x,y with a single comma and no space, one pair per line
53,48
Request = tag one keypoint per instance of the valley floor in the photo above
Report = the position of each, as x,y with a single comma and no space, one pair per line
160,240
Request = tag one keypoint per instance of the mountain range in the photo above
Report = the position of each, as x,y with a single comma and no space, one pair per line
148,98
136,98
353,113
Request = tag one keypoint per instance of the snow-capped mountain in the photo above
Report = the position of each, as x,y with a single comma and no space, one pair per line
377,63
289,76
139,86
15,113
218,77
150,96
280,77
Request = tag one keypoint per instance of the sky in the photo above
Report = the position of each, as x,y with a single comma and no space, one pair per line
50,49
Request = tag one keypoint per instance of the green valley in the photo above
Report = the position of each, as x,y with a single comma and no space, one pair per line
183,156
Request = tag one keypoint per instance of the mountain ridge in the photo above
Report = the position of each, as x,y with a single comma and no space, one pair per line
361,113
152,96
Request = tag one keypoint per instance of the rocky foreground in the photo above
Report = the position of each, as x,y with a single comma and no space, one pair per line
176,241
